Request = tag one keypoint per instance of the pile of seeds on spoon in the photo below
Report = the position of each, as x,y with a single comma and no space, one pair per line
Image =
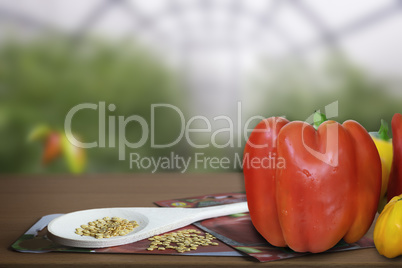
184,240
107,227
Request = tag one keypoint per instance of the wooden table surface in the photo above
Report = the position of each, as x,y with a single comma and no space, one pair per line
24,199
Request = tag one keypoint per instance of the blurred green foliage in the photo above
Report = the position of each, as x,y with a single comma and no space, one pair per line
295,89
41,80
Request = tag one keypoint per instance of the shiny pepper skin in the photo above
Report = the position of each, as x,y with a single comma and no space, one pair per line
388,229
327,190
395,178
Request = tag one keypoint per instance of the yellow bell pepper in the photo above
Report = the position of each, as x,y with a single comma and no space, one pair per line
388,229
384,147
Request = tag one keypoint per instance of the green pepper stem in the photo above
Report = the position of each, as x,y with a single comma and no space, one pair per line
383,131
318,119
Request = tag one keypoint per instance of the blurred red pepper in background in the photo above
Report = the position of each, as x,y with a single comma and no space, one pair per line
56,145
52,147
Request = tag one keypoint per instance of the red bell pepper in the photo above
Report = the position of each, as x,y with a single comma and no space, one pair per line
395,177
325,184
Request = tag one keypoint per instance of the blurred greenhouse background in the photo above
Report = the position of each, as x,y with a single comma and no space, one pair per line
205,57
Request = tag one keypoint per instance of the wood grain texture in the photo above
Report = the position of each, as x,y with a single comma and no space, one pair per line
24,199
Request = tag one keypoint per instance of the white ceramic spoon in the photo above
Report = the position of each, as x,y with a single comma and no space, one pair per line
152,221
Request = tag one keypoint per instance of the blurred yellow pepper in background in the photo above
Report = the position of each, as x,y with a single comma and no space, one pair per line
384,147
388,229
56,145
